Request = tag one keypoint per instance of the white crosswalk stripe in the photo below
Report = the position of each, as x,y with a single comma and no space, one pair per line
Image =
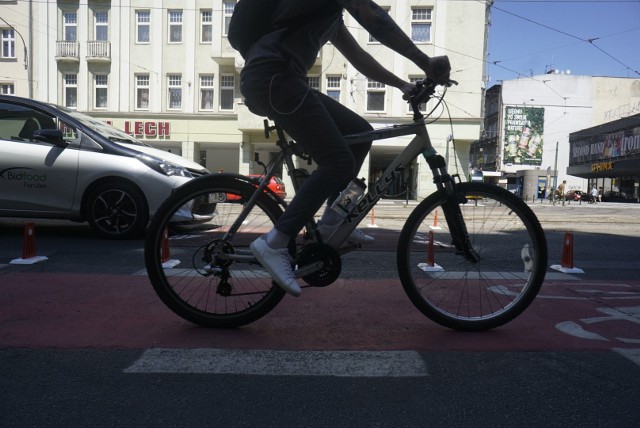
282,363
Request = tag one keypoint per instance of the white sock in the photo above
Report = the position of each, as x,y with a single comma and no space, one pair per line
276,239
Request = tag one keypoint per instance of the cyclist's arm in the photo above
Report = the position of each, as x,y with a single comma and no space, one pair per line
365,63
381,26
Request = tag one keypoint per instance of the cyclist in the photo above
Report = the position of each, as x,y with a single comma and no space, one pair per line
274,84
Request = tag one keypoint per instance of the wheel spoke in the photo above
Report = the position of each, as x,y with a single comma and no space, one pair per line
465,294
214,281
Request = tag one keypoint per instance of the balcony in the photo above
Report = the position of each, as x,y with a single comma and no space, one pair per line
98,51
247,121
67,51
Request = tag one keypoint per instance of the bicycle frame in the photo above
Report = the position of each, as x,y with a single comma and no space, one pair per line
420,144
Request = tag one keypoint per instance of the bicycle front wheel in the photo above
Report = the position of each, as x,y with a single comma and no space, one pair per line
479,294
202,272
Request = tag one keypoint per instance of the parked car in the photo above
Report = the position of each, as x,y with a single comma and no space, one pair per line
613,196
276,185
58,163
575,195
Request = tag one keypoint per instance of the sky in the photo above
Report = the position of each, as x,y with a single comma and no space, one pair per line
586,37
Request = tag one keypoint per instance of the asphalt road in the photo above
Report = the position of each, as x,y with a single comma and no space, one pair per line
85,341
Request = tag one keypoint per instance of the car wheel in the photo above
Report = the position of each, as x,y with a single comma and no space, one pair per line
117,210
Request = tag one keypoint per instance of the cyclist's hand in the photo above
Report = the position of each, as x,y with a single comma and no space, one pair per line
408,90
439,69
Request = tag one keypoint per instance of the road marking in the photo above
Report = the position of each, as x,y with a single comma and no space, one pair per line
281,363
632,354
573,329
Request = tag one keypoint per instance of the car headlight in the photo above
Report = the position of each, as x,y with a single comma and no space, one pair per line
163,167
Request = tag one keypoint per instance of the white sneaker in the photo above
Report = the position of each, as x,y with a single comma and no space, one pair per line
356,237
277,263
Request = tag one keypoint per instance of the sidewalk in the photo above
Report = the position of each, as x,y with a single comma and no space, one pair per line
602,212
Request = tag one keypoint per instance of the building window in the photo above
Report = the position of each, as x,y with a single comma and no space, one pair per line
314,82
100,81
70,26
142,91
8,43
227,9
375,96
7,89
206,91
333,87
371,38
101,26
227,91
71,90
175,91
175,26
206,26
421,25
143,26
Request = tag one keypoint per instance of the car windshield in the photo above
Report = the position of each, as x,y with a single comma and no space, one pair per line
102,128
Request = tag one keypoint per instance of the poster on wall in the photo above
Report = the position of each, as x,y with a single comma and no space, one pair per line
523,135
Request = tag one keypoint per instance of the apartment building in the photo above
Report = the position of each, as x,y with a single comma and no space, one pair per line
163,71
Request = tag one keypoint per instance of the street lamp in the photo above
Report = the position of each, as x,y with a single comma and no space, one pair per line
26,54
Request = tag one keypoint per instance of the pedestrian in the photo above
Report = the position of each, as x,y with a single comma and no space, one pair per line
560,191
274,83
594,195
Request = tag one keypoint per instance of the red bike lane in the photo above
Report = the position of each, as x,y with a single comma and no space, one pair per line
70,310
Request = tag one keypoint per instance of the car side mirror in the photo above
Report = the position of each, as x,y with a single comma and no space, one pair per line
51,136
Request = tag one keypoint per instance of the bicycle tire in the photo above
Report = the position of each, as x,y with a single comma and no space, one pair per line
191,282
464,295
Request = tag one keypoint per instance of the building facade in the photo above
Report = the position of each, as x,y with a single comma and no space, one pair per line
163,71
608,156
529,122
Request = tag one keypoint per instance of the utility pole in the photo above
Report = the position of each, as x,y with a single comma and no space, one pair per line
555,178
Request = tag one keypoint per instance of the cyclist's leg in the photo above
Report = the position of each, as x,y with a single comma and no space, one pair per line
317,125
348,122
286,98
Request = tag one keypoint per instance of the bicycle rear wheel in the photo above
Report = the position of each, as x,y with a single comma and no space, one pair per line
467,295
201,274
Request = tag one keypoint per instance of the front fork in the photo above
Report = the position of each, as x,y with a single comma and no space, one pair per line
451,208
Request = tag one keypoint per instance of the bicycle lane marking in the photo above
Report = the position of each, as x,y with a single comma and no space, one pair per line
605,312
105,310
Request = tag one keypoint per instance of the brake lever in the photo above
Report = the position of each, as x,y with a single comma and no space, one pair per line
420,84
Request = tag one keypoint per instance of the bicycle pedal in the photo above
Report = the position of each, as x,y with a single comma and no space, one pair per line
308,269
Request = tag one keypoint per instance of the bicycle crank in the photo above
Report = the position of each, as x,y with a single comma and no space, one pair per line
319,265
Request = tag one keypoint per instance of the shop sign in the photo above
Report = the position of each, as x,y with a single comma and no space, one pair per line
142,129
147,129
602,166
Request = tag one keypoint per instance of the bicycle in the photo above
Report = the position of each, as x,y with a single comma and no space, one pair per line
480,270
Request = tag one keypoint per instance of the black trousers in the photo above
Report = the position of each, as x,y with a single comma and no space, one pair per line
317,123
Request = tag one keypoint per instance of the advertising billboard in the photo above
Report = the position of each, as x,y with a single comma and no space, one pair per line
619,144
523,135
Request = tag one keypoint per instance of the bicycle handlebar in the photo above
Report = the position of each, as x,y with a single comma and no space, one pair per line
423,90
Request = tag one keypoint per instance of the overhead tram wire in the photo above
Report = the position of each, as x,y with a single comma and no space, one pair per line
589,40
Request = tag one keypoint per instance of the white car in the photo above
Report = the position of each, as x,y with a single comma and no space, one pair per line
58,163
